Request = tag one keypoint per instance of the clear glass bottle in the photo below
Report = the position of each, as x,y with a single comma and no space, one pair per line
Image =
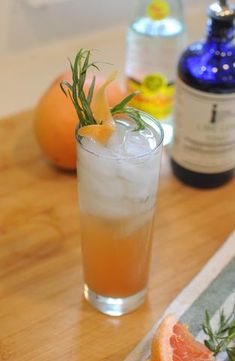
203,150
155,39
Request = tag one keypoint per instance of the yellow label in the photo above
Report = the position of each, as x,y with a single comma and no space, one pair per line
155,95
158,9
152,83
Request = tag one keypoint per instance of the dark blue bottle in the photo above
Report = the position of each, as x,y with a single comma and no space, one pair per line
203,149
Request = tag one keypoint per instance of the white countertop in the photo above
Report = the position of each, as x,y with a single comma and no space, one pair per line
25,76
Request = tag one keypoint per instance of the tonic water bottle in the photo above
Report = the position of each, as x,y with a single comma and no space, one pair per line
155,39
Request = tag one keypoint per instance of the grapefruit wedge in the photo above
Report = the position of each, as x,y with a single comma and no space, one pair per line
105,126
173,342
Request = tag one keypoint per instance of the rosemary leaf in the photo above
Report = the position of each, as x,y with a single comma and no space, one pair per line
67,84
133,114
231,353
222,337
123,103
91,90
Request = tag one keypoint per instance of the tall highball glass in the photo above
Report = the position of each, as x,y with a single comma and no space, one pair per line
117,197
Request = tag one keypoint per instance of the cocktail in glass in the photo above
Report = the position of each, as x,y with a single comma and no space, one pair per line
117,196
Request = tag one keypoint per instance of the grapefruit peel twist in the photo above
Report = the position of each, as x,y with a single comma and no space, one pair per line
95,117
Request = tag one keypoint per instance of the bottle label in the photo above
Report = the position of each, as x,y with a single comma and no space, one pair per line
204,130
155,95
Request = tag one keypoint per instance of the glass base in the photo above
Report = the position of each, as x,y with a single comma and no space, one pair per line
114,306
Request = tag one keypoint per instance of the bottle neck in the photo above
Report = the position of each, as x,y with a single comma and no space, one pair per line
220,31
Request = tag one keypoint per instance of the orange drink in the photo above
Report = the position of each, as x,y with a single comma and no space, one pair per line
117,274
117,195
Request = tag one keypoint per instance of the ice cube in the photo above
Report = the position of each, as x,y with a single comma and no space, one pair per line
118,137
139,143
119,179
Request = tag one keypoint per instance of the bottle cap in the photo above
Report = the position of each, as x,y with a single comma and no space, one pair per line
221,10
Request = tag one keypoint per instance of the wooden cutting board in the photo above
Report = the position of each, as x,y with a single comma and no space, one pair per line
43,316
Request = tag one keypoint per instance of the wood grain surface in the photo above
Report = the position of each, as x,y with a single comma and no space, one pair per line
43,316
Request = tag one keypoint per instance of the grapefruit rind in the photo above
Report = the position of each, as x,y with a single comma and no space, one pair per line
100,107
102,131
161,348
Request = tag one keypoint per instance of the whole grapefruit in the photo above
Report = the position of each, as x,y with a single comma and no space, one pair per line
56,119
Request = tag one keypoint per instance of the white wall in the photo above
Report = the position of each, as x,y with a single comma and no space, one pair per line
23,26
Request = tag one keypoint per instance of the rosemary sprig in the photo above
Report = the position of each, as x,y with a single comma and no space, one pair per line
134,114
82,103
221,338
75,91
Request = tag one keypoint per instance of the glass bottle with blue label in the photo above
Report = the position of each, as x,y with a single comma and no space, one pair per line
155,39
203,149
